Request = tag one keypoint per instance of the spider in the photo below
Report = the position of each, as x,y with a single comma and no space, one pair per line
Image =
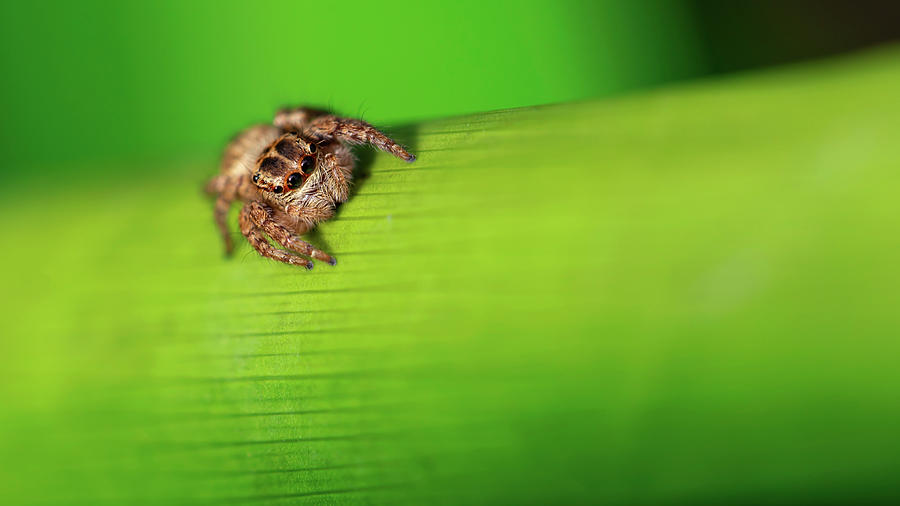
291,176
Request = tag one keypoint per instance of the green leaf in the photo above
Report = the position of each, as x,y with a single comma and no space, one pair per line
680,296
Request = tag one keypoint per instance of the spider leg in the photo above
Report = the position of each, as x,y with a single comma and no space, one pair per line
355,131
261,216
296,118
261,245
215,185
221,214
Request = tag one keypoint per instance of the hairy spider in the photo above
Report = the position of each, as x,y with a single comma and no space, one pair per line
290,177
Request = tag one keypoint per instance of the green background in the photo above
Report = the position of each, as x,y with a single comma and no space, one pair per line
684,294
163,80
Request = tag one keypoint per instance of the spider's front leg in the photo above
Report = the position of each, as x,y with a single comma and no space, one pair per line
256,238
296,118
263,218
356,131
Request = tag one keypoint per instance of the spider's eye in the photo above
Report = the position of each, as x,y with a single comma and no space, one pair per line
294,180
307,164
256,177
278,189
312,148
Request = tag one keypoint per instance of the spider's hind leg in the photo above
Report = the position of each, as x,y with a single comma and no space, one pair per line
221,214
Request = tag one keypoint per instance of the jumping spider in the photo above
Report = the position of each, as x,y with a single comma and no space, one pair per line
290,177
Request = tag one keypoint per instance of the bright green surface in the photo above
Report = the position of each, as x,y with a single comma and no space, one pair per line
688,296
159,80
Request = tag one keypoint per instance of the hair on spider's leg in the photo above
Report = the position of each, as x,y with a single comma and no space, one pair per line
339,190
261,215
359,132
256,239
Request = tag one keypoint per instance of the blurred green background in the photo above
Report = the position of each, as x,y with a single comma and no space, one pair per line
165,79
676,283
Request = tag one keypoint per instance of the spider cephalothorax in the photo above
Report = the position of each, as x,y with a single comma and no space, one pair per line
291,176
286,164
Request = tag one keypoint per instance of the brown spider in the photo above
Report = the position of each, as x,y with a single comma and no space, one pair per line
290,177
